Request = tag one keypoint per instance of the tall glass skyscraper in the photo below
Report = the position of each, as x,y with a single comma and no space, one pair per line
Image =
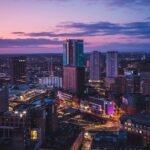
73,52
112,64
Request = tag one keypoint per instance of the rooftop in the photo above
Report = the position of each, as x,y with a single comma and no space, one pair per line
143,118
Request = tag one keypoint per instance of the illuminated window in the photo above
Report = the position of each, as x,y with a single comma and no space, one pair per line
129,124
140,132
34,135
129,129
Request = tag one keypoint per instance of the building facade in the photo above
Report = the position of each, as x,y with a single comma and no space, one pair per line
112,64
138,124
132,80
73,70
145,87
73,52
73,80
95,66
18,70
3,99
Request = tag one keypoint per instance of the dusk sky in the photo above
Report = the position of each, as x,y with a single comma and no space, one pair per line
40,26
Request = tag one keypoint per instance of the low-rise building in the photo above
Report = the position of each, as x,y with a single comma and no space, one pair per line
138,124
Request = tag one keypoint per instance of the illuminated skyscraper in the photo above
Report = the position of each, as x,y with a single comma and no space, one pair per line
112,64
95,66
73,52
73,70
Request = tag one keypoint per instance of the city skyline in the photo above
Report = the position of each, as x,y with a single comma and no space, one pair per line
38,26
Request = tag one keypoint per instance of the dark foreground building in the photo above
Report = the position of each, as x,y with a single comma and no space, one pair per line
138,124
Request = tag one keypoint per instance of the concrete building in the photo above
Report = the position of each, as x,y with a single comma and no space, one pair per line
132,80
73,80
95,65
138,124
73,70
3,99
73,52
101,105
116,85
18,70
53,81
42,118
145,87
112,64
119,85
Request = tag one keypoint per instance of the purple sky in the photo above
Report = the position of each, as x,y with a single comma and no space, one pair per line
39,26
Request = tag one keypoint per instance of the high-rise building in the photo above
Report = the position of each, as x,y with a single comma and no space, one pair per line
73,80
119,85
145,86
73,70
18,70
133,80
112,64
73,52
95,66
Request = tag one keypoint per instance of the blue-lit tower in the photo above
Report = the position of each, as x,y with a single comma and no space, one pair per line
73,52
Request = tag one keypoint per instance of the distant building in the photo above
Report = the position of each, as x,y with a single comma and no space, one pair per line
111,64
95,65
132,80
73,52
108,140
4,79
105,141
18,70
145,87
101,105
3,99
73,80
53,81
117,84
120,85
64,96
147,103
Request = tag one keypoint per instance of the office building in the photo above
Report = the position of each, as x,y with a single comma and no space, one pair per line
95,66
145,87
118,85
138,124
52,81
132,80
73,80
73,70
3,99
101,105
73,52
112,64
42,121
18,70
